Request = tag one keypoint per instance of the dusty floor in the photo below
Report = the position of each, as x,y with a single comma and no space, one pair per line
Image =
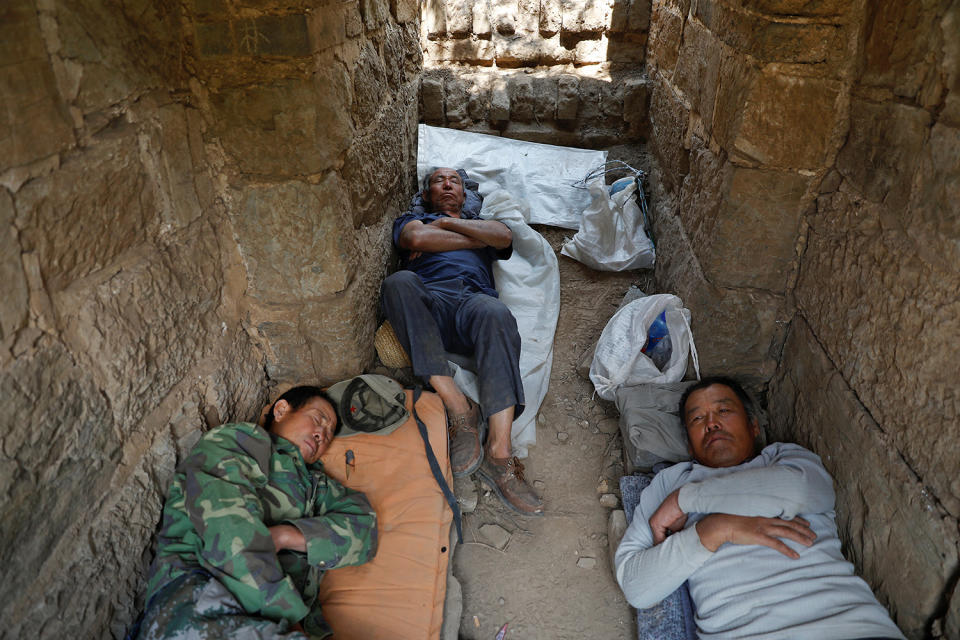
552,579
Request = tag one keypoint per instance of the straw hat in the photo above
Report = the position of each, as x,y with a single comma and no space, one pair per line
389,348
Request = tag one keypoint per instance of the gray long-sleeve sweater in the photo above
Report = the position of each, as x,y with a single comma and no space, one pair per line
752,591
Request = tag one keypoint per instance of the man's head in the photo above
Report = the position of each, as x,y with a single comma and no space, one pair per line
443,191
722,430
305,416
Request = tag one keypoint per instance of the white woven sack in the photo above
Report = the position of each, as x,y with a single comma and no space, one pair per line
619,359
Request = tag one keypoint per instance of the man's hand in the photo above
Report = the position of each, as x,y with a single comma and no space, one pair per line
667,519
718,528
287,536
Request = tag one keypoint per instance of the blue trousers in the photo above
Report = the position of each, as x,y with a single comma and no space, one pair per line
433,318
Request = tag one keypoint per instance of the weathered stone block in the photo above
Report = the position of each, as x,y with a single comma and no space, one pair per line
144,322
466,50
458,100
585,16
902,45
590,51
276,36
551,17
669,119
787,121
328,25
63,216
375,13
503,16
432,99
33,119
405,11
520,90
478,106
882,150
214,38
291,126
628,49
639,21
459,18
636,97
373,168
116,58
888,319
517,50
742,223
528,16
666,28
568,97
883,509
933,223
552,52
770,40
698,70
481,18
59,443
499,101
369,79
738,331
291,238
619,16
544,97
433,18
13,312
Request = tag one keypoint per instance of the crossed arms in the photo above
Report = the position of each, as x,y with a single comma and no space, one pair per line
756,505
450,234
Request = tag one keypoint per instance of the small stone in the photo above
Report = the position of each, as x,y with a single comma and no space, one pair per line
609,501
584,424
608,426
587,563
541,419
603,486
495,535
593,536
501,601
583,447
595,430
563,436
538,484
476,622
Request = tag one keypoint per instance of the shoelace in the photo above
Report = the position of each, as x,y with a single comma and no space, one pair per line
517,468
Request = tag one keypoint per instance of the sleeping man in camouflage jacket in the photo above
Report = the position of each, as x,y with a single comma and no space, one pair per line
249,527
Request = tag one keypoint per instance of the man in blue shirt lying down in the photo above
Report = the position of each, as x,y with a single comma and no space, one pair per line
444,299
754,533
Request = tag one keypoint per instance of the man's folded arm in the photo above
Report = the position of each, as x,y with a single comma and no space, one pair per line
647,574
345,531
794,482
237,548
430,238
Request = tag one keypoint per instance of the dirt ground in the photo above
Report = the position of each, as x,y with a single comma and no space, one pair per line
552,578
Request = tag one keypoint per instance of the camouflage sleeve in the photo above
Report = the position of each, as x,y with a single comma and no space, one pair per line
344,533
222,503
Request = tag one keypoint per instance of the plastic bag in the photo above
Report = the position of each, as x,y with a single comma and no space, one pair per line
611,235
619,358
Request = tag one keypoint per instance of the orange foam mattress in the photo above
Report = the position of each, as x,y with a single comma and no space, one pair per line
400,593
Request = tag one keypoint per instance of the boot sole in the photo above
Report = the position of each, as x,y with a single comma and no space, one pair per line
492,485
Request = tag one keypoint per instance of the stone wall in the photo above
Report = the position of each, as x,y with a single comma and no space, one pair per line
568,72
809,170
195,206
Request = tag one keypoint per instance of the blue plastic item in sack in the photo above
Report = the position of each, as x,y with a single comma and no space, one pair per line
658,347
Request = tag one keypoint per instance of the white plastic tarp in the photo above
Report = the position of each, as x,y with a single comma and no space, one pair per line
529,284
541,175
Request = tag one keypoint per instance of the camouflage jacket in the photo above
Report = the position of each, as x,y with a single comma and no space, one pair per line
238,480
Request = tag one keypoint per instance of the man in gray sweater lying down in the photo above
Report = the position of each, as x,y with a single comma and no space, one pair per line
753,532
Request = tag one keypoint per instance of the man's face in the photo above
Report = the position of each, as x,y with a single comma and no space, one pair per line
446,191
720,433
310,427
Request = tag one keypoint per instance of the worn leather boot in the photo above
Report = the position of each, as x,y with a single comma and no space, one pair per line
466,453
505,477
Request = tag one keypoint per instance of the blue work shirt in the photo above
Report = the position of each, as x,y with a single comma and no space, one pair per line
473,266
